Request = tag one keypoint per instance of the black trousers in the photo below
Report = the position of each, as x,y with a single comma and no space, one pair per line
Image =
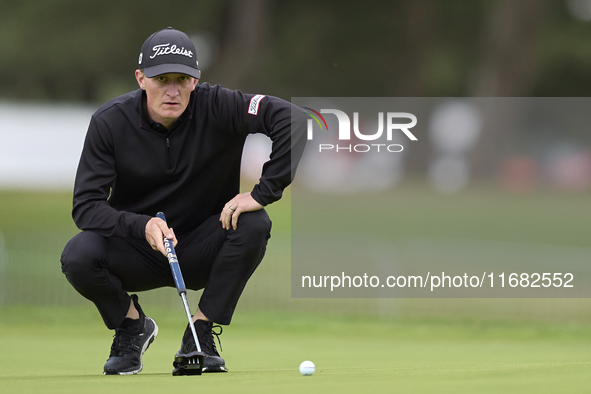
219,261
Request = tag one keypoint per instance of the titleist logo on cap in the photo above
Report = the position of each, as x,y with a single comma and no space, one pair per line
169,51
166,49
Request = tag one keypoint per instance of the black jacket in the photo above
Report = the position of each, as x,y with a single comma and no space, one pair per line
131,167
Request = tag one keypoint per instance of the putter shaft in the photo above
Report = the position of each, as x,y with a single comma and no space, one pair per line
188,311
181,288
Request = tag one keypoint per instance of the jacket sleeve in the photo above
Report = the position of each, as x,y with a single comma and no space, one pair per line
95,177
285,124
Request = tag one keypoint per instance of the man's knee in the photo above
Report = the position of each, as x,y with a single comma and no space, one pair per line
83,254
254,226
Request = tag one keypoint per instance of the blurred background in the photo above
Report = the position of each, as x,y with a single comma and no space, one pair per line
62,59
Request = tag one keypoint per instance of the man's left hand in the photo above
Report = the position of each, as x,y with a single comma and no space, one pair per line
240,203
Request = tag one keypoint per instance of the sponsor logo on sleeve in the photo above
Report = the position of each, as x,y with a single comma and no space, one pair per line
253,107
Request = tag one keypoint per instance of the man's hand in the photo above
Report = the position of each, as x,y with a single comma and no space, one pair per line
156,228
233,208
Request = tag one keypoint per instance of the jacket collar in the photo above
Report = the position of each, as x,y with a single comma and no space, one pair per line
147,123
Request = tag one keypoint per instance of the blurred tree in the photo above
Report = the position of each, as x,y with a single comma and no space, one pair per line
84,50
506,64
243,33
418,21
87,50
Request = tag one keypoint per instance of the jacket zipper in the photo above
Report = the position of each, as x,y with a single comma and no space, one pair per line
168,158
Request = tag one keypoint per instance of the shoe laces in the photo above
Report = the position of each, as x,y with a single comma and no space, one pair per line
123,343
207,342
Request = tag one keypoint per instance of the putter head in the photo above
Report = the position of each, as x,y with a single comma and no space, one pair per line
188,364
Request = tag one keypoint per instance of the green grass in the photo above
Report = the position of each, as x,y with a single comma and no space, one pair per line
35,227
53,341
483,213
62,350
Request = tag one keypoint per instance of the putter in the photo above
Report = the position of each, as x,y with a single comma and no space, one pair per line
190,363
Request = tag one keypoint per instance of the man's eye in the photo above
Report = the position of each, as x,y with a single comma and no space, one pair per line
161,79
183,78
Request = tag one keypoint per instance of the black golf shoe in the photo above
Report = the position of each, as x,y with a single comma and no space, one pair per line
205,332
130,343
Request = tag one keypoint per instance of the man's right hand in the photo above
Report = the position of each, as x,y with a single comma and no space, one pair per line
156,228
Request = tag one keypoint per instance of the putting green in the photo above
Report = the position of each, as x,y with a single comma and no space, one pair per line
62,350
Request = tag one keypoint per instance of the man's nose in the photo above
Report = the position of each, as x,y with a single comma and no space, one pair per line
172,89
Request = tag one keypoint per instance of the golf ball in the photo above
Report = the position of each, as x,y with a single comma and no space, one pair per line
307,368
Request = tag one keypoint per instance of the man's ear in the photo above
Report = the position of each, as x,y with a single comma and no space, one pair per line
140,77
195,82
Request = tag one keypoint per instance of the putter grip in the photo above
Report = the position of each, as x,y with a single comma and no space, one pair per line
173,261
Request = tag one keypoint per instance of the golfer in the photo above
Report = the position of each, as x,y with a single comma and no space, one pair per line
174,145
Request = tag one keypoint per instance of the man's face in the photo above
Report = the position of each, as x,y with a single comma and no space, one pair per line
168,95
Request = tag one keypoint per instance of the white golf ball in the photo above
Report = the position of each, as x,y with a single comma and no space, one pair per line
307,368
